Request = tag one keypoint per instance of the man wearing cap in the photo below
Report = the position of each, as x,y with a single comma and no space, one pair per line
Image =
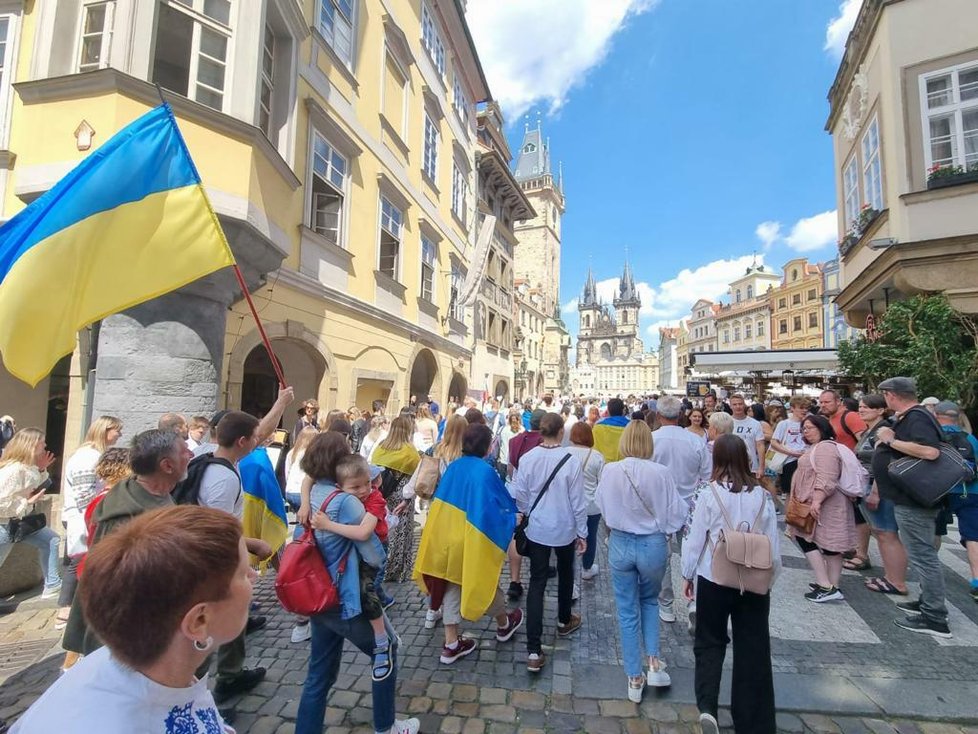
914,433
963,499
930,403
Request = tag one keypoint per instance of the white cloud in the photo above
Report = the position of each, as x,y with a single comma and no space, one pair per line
570,306
768,233
814,233
538,51
837,31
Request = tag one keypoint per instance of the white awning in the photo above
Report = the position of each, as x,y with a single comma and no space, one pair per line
765,361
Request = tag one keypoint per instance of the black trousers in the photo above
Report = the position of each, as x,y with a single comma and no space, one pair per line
752,695
539,556
787,472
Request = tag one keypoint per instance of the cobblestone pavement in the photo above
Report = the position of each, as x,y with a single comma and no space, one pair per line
839,667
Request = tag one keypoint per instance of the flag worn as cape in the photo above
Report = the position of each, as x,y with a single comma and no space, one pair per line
404,459
129,223
469,526
607,433
264,508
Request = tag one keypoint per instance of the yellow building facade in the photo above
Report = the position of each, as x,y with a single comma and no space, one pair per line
796,307
337,141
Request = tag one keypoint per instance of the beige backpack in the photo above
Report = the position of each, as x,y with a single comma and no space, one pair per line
429,473
742,558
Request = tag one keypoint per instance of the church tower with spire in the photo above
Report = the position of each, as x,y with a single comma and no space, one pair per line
538,251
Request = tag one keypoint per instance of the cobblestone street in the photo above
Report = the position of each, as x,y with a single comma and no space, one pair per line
841,667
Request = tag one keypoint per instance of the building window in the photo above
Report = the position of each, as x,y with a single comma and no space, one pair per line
796,325
782,303
460,193
850,189
736,333
455,287
391,220
460,101
336,26
747,331
427,269
949,99
267,87
760,328
783,326
431,39
813,295
813,320
872,167
430,162
192,49
738,295
96,35
750,292
329,170
795,299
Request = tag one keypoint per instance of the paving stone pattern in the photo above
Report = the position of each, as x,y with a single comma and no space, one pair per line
583,685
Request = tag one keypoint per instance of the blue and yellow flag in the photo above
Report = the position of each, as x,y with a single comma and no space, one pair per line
469,526
264,506
129,223
607,434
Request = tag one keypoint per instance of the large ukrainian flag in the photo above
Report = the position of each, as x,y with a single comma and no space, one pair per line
469,526
129,223
607,434
264,506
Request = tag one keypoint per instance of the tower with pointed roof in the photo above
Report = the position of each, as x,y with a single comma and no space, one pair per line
538,251
609,332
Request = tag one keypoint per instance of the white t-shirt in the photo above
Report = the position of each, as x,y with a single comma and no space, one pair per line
101,695
220,488
788,432
750,432
293,472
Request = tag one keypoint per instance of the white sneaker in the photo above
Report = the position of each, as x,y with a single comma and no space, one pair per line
589,573
431,618
634,694
576,593
408,726
658,678
52,592
667,615
301,632
708,724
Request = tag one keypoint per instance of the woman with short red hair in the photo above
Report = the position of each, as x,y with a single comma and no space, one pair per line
162,592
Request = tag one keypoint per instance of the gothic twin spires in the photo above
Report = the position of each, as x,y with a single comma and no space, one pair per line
627,290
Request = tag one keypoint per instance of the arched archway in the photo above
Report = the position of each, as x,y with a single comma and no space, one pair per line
458,388
303,365
501,390
424,370
606,351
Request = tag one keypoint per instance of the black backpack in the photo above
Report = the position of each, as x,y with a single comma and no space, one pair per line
959,440
187,491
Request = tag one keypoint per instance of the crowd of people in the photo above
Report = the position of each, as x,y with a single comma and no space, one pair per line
162,531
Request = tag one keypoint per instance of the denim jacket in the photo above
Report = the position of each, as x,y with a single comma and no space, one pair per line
348,510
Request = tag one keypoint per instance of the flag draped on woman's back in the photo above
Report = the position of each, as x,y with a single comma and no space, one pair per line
129,223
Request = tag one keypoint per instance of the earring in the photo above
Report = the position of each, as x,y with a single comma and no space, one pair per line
204,646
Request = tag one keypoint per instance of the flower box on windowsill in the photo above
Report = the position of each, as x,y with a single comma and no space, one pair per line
940,182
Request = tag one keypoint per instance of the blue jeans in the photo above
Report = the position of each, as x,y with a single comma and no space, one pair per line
592,541
638,563
328,635
48,544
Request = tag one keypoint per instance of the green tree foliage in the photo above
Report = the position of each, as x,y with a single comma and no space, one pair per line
924,338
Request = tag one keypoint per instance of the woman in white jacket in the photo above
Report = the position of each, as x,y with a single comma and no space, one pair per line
592,462
642,507
746,505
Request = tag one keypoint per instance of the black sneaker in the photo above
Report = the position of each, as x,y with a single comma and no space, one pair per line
820,595
920,623
228,714
515,591
241,683
255,624
909,606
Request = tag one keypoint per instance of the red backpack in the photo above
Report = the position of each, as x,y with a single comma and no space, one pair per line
303,583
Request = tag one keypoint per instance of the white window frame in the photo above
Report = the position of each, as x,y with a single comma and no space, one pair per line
748,330
200,23
431,39
105,36
456,280
341,189
7,72
760,328
392,226
460,100
460,193
432,136
429,266
872,163
348,22
266,78
954,110
850,191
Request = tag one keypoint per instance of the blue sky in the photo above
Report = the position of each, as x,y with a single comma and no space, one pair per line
691,133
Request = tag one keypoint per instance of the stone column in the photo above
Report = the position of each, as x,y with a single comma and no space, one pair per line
161,356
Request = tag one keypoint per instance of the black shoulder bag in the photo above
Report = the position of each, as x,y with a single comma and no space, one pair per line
520,535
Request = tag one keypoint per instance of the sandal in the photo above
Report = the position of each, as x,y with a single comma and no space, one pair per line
60,622
857,564
383,663
881,586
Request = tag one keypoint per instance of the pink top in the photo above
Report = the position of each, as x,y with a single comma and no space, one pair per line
818,473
